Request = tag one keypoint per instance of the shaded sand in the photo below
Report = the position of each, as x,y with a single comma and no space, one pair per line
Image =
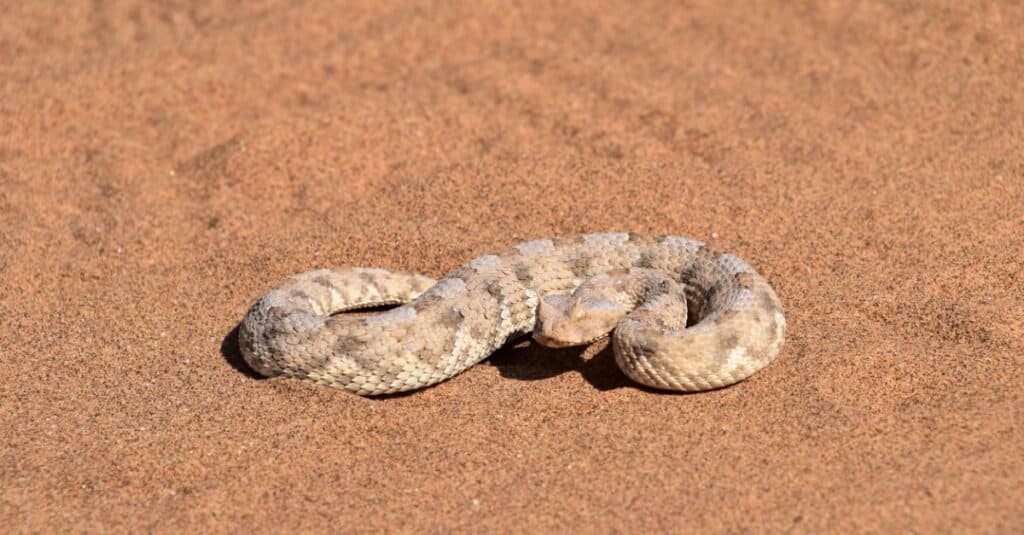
162,167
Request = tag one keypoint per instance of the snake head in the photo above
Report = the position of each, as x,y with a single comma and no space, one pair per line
564,321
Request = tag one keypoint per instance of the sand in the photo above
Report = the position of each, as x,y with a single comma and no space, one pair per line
161,166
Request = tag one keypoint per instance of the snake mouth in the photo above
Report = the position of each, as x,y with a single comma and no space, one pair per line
547,341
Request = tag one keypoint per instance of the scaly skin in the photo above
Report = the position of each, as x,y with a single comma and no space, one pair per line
443,327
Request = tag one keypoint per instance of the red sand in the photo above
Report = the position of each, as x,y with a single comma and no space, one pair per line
162,167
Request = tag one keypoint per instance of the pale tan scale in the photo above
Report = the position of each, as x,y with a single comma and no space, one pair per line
639,288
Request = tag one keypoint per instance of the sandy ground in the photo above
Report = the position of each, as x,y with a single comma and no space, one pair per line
162,165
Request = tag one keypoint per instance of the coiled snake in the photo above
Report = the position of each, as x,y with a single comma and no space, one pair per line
680,315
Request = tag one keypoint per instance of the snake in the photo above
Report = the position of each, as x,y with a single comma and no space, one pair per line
679,315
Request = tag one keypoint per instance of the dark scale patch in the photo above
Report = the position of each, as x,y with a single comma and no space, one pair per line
524,273
509,253
464,272
646,347
325,281
568,241
769,304
710,258
354,349
271,336
726,343
648,317
640,238
646,260
580,264
493,288
266,338
481,330
707,253
349,346
772,324
770,308
744,279
490,309
276,323
451,318
426,302
368,278
661,286
300,295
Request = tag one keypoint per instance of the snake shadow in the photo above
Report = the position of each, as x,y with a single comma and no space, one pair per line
526,360
522,359
233,355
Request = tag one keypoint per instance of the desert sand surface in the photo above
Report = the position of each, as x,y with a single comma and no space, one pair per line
162,164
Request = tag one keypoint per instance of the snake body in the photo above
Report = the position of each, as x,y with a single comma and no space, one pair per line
439,328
